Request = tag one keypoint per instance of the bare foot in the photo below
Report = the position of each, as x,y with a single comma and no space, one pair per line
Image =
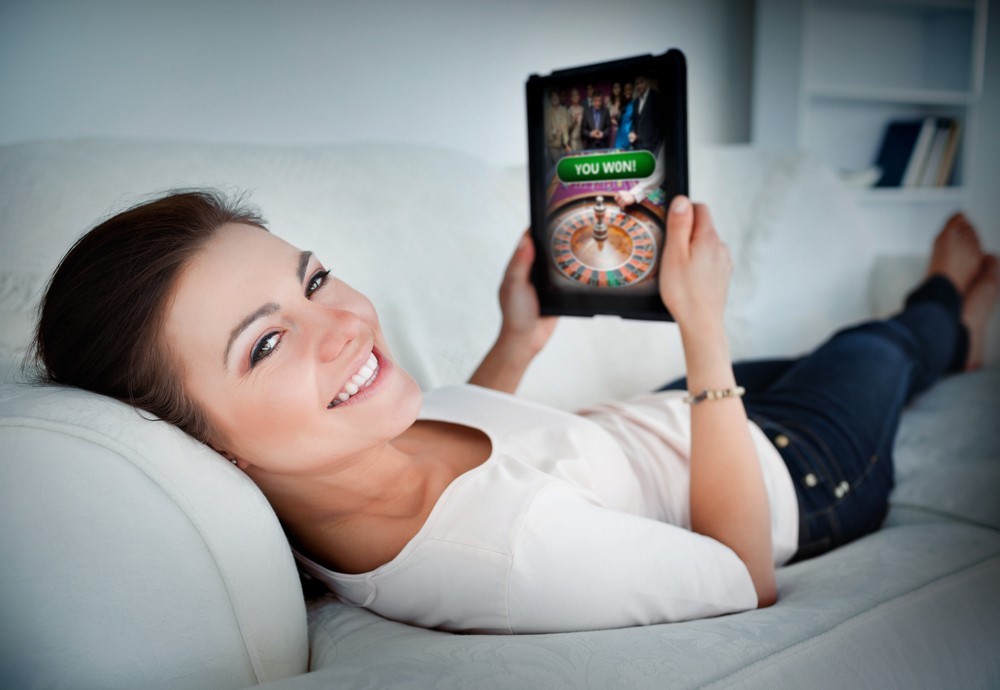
957,253
977,305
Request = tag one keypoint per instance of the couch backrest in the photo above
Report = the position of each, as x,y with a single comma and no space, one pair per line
426,234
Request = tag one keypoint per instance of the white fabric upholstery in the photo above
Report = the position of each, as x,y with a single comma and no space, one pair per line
134,557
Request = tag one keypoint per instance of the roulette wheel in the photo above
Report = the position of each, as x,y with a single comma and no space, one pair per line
594,244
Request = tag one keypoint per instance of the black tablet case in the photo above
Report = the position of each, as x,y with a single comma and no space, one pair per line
671,73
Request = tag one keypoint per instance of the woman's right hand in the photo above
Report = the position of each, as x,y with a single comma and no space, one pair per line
696,266
523,331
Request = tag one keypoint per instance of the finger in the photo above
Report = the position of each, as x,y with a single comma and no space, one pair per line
520,264
703,227
680,219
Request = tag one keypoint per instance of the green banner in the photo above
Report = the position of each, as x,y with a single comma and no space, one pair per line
630,165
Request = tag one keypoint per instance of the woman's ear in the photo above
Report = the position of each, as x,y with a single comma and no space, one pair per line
228,456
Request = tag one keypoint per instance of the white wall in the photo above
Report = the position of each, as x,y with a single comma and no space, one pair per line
984,203
307,71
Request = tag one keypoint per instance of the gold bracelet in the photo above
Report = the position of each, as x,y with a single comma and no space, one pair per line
709,394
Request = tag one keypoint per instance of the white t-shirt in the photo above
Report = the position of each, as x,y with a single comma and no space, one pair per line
575,522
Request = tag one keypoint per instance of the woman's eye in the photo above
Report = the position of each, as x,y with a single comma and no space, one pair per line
316,282
264,347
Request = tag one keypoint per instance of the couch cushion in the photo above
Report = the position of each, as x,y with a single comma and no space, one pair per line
133,555
947,453
916,606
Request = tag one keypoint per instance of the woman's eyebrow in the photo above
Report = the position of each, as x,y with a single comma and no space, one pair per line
265,310
303,264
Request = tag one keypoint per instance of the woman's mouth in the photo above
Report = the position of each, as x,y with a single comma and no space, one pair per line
361,380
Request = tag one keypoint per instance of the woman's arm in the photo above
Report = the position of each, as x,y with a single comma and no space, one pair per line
523,332
728,499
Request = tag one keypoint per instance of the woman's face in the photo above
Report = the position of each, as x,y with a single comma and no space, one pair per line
266,342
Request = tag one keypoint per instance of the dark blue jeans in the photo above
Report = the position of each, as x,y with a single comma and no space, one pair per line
833,414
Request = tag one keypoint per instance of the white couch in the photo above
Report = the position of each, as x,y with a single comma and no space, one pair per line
135,557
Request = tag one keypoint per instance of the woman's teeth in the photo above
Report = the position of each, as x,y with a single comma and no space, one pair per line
365,377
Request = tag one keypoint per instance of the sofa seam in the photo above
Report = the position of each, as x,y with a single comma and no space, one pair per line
750,669
948,515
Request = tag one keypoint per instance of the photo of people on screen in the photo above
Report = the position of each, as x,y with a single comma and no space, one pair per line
620,114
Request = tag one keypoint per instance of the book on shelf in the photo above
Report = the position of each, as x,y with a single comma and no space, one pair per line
918,152
935,153
947,166
918,156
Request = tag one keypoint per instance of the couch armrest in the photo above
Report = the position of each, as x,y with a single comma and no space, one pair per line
135,556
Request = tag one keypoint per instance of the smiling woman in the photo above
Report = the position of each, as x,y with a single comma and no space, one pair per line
466,508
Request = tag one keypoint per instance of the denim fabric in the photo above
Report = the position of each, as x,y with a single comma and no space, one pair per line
833,414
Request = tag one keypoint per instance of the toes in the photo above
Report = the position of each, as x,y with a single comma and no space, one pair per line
989,270
979,302
956,220
958,225
984,290
990,266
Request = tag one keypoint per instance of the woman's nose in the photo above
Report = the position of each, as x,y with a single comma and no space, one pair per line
335,329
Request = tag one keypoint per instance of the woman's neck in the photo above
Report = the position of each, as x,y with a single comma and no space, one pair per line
382,480
361,512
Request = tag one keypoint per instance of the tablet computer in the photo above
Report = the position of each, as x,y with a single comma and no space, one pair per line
607,151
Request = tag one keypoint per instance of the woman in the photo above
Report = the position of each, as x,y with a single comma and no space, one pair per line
615,110
575,111
471,510
625,119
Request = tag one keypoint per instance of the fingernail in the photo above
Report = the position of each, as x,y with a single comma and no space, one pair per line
524,242
679,204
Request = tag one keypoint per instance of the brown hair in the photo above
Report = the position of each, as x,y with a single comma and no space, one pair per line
101,319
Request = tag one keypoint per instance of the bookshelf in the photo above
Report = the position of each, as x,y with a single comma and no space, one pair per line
829,75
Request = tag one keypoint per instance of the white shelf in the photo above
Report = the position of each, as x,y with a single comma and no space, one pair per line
871,94
908,195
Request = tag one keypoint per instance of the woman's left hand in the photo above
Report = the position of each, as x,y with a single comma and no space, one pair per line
694,279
